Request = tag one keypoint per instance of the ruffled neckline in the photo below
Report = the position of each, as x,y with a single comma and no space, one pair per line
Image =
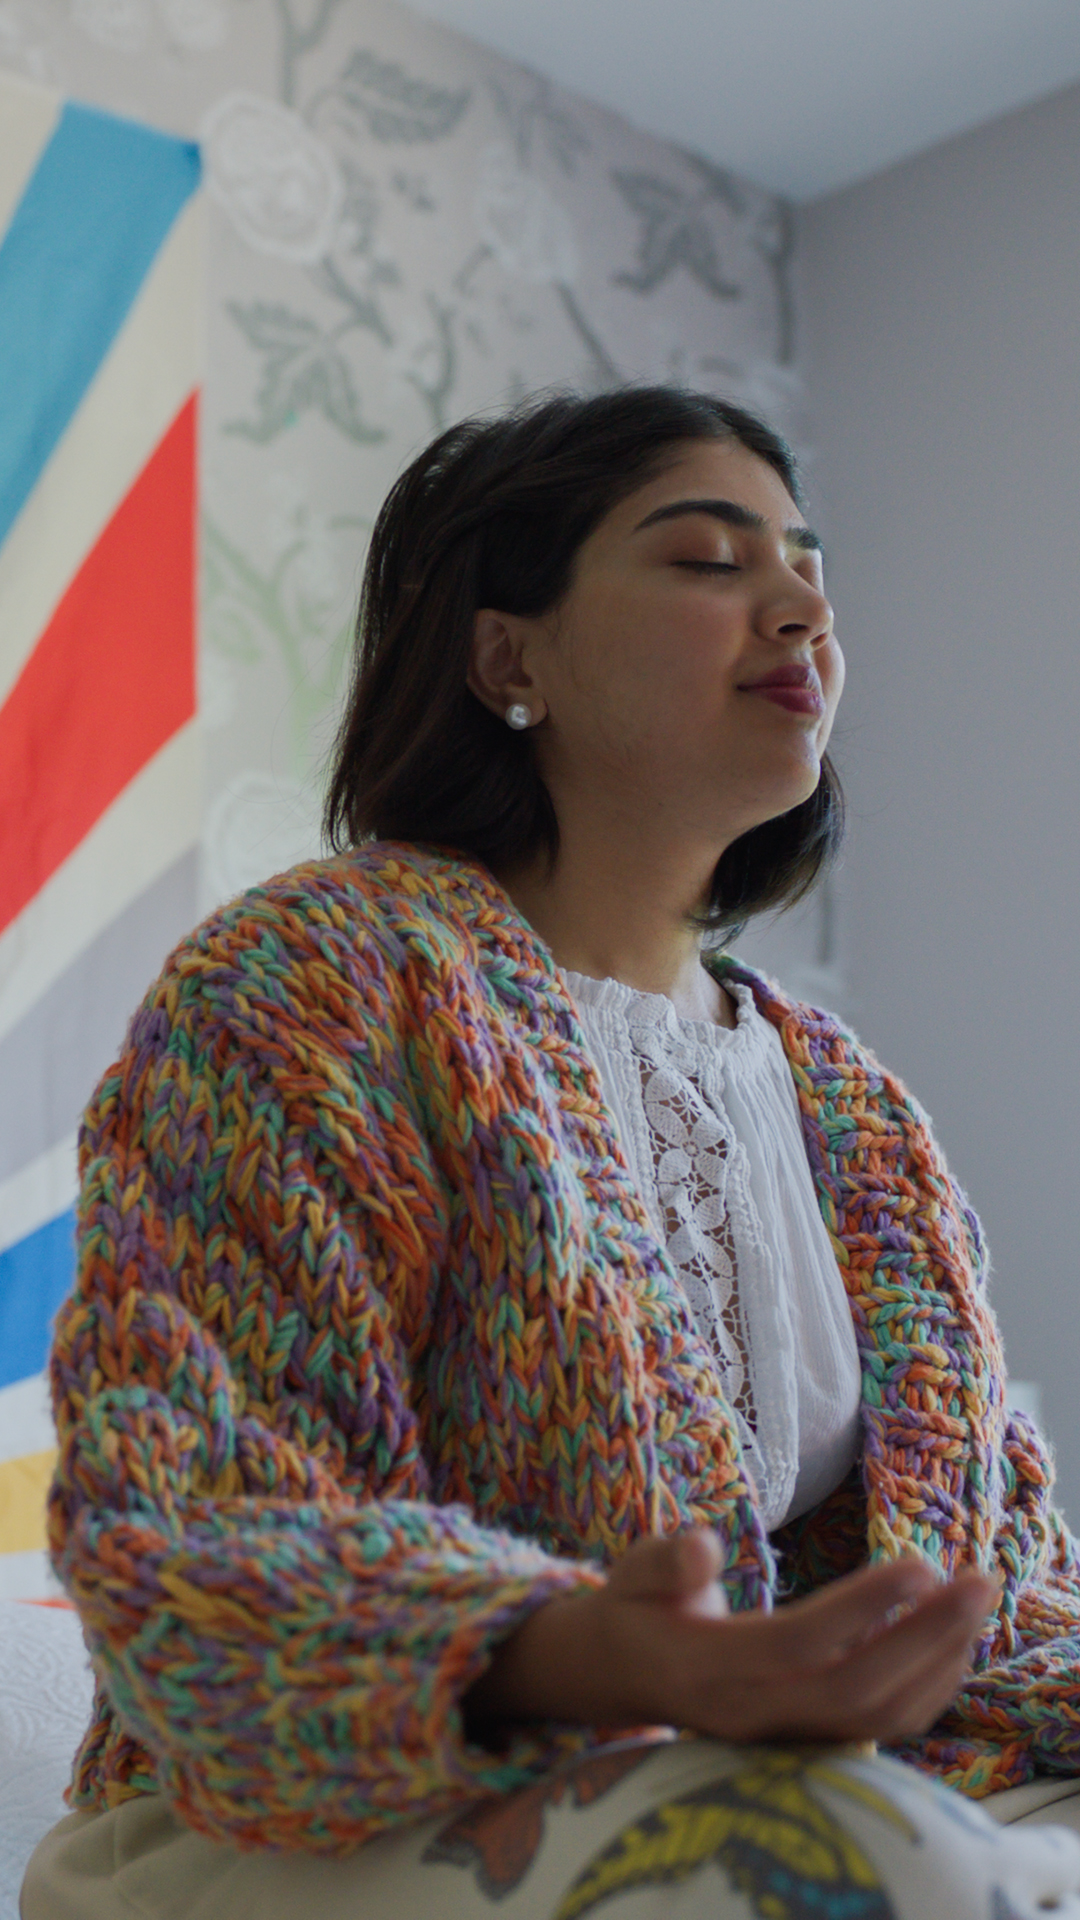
640,1009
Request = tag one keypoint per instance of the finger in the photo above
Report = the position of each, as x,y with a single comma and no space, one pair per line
673,1567
947,1619
814,1631
924,1697
904,1678
900,1677
840,1705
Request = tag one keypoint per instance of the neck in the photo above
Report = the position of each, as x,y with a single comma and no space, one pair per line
617,911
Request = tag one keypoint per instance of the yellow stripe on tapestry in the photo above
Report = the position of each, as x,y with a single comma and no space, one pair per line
24,1484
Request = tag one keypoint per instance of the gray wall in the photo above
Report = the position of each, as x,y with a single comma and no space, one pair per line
940,340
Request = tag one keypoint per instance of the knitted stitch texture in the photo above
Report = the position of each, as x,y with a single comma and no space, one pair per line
372,1351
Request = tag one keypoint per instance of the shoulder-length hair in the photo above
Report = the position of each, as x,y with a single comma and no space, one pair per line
492,514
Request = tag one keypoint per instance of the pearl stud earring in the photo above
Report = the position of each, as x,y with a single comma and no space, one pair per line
518,716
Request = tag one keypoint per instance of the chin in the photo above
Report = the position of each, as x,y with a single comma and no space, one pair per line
802,783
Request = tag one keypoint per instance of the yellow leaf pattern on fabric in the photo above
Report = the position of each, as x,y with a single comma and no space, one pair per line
762,1826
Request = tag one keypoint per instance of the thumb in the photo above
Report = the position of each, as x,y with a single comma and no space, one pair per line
679,1566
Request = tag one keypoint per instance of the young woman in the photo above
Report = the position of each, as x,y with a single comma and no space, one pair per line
530,1419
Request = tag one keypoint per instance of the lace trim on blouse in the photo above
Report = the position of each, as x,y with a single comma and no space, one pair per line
708,1118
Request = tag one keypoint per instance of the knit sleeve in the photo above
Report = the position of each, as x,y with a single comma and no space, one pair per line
283,1622
1017,1714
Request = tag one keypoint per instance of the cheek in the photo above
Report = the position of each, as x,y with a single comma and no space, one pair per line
833,673
644,662
610,651
832,670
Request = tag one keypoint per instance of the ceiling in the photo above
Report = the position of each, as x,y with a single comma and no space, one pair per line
801,96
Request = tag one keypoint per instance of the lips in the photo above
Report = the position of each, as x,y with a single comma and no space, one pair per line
796,688
792,676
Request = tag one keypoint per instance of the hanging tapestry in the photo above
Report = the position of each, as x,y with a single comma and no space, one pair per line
100,342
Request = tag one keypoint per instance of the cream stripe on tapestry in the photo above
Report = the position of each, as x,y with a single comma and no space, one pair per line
26,1423
28,1576
146,830
38,1192
144,380
59,1050
30,117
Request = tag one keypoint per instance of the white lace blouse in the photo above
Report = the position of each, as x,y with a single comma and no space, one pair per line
709,1121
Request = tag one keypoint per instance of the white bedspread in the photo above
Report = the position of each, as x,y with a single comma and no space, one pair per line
45,1695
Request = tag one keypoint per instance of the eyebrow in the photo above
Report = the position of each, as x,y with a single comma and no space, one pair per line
735,516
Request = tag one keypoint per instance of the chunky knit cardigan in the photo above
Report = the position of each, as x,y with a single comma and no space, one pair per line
372,1351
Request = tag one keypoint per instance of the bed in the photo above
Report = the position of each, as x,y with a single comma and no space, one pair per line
45,1694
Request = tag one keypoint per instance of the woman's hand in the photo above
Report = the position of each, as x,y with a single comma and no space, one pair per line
657,1646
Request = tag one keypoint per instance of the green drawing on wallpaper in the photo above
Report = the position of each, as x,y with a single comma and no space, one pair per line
352,272
539,111
297,40
717,182
415,190
431,368
677,230
288,606
303,368
601,370
359,302
373,98
773,234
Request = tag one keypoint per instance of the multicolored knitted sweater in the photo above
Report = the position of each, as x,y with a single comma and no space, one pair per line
372,1351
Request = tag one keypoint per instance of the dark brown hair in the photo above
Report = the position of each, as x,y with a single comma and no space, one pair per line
492,514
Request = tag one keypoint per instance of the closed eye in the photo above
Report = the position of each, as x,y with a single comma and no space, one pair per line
707,566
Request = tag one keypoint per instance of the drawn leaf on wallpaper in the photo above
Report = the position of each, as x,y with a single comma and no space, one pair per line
414,190
773,234
677,230
359,211
232,620
718,182
540,110
425,358
289,606
303,369
299,39
379,98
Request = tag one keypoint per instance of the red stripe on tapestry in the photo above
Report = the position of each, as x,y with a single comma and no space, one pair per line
111,679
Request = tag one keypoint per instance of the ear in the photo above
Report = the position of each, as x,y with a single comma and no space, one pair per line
497,672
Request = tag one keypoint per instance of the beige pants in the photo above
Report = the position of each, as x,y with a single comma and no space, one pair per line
691,1829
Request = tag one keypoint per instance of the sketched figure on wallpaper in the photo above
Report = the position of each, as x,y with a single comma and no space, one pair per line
530,234
291,191
123,25
266,158
200,25
197,26
294,604
680,228
302,368
280,185
536,112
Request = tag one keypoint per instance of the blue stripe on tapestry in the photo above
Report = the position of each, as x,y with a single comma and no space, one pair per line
80,243
36,1274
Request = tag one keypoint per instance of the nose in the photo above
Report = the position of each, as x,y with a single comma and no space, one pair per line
812,616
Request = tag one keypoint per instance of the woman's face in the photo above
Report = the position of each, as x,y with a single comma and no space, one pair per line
697,586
